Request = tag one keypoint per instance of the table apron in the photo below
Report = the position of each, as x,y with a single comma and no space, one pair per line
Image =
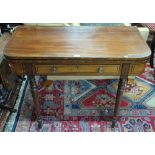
107,69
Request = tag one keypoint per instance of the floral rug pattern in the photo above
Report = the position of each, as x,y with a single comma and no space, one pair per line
81,105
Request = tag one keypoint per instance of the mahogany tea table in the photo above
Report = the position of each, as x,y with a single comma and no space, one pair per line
77,51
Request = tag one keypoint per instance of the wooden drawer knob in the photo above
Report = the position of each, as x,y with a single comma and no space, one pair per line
100,70
54,70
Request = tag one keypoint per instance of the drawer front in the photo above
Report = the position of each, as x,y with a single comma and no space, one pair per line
77,69
137,69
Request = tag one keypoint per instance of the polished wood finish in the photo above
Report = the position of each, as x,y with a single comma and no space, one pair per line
77,42
34,92
77,69
120,89
100,51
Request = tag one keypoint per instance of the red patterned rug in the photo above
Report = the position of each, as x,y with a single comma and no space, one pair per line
81,105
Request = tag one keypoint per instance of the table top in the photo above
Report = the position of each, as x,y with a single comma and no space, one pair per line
77,42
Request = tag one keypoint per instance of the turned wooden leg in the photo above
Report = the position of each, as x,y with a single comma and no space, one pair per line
119,95
35,99
152,51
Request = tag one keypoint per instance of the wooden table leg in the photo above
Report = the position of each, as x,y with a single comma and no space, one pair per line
34,91
119,95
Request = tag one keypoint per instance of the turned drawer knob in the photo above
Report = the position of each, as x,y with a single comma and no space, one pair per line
100,70
54,70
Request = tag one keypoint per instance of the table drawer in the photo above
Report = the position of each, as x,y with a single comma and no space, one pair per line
77,69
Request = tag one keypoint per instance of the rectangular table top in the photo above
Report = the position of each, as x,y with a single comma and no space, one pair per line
77,42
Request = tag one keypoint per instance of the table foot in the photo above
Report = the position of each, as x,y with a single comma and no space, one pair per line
40,123
113,123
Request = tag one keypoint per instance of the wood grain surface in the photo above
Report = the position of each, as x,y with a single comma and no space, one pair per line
77,42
